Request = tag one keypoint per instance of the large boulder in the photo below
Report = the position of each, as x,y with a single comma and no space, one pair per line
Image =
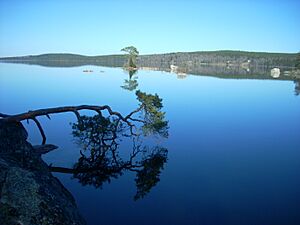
29,194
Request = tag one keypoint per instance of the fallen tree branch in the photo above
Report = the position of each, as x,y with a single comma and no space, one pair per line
40,129
47,111
4,115
74,109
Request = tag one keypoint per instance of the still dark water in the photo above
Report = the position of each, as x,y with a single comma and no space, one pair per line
233,146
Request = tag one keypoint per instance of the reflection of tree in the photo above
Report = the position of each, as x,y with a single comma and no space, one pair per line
297,87
131,83
100,137
148,176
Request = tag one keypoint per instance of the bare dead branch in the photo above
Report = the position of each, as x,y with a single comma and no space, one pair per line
4,115
74,109
62,170
78,116
40,129
133,112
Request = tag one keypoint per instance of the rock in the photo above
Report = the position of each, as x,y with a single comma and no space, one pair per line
173,68
43,149
29,194
275,72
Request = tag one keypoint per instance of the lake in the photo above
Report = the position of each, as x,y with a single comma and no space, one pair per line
233,147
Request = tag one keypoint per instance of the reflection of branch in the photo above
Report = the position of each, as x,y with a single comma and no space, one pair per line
61,170
66,170
96,171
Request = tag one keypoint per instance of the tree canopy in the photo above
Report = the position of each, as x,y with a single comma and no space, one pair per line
131,50
132,54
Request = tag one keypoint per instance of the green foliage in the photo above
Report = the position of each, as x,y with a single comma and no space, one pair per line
154,118
132,54
131,50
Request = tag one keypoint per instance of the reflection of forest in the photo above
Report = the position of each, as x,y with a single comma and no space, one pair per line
223,71
226,64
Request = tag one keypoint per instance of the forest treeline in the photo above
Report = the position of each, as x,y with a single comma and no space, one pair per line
225,64
221,58
68,60
233,58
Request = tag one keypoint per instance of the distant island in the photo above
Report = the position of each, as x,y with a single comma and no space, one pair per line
227,64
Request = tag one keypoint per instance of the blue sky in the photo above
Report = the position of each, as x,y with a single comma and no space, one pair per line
104,27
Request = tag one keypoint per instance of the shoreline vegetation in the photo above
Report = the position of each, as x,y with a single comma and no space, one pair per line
223,64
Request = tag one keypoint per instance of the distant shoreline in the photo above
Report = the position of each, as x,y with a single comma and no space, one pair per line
221,52
226,64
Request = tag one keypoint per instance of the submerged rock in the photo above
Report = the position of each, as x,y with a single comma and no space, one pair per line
29,194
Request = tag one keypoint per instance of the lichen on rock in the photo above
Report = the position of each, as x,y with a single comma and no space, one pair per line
29,194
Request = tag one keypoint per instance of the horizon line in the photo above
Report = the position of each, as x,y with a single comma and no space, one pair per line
224,50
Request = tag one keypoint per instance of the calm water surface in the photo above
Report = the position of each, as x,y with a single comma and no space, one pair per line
233,146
